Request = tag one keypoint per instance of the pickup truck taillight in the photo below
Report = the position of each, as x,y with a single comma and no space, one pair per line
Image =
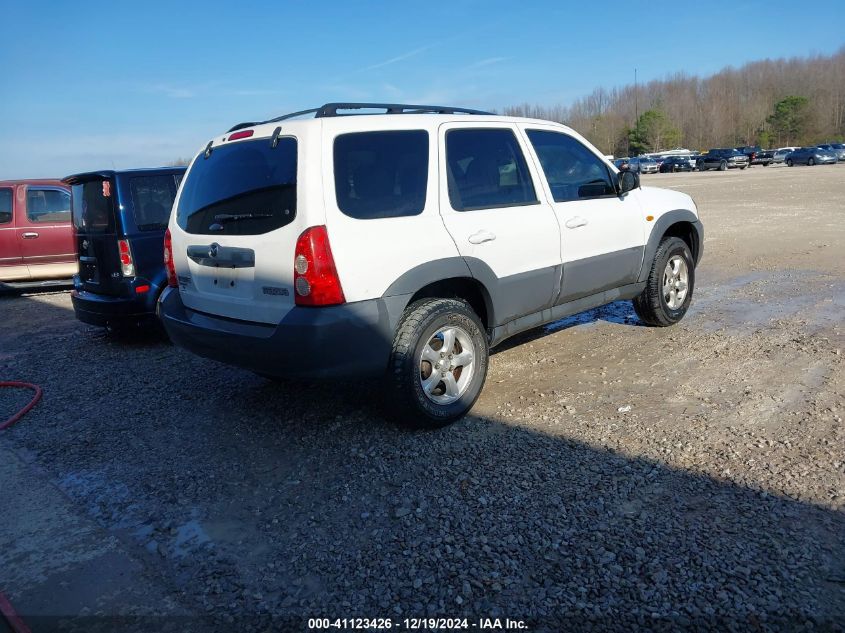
127,266
172,281
315,278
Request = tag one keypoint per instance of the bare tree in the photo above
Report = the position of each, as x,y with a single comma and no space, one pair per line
729,108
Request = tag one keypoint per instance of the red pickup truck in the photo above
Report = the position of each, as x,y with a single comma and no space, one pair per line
36,236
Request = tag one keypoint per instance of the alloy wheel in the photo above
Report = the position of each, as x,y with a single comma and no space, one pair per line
447,365
675,282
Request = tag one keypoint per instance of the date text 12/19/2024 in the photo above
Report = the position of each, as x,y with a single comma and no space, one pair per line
417,624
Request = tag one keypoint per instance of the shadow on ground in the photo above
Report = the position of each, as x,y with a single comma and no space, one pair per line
265,501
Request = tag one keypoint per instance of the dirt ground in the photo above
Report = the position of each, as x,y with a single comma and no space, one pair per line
610,476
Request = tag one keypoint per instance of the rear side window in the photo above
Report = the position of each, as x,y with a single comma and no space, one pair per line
243,188
47,205
381,174
92,206
486,169
5,205
152,199
572,170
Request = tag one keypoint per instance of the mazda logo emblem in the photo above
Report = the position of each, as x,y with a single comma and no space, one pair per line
212,250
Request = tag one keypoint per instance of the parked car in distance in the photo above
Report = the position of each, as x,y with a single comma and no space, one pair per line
120,218
836,148
402,246
722,159
811,156
643,165
751,152
673,164
36,238
780,154
763,157
621,163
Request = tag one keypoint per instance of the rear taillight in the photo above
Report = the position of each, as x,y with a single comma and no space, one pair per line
315,279
127,267
168,261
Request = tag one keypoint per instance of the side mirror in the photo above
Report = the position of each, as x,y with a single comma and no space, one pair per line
628,180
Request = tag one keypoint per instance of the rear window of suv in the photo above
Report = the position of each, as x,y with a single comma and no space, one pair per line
92,206
242,188
381,174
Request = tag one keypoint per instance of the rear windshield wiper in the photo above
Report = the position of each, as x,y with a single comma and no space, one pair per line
236,217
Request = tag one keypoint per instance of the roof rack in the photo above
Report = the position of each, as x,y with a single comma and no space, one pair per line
331,110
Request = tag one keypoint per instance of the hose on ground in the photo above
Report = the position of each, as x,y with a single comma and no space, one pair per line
7,611
32,403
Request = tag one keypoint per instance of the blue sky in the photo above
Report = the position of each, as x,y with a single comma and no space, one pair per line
91,85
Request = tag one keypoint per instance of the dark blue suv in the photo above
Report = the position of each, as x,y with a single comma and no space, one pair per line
119,218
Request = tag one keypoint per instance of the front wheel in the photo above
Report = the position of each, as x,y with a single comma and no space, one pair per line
439,362
789,163
669,287
723,166
810,162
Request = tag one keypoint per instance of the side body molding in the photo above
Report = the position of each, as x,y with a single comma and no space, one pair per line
505,298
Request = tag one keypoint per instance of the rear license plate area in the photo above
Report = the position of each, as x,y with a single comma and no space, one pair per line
89,272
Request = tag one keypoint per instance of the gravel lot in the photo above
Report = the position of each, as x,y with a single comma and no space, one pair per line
152,482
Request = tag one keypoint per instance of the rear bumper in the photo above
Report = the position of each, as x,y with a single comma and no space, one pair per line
103,310
353,339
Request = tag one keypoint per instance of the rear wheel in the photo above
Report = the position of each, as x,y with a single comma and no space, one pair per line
723,165
669,287
789,163
810,162
439,362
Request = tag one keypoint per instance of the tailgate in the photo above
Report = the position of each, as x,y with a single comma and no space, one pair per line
93,212
234,243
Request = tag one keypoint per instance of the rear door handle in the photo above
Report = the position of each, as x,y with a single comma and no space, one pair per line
480,237
29,236
574,223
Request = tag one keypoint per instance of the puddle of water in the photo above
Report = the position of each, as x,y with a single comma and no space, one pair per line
189,536
760,299
113,506
621,312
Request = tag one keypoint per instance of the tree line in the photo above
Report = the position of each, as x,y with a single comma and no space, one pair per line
771,103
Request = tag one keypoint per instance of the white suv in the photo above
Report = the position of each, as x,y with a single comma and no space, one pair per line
407,243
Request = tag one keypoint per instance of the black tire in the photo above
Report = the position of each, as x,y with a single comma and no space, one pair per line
789,163
418,325
650,305
723,166
701,167
743,167
810,162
